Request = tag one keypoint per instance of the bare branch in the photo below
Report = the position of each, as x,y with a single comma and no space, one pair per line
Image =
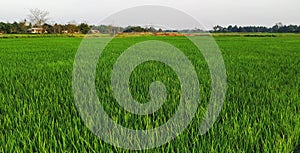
38,17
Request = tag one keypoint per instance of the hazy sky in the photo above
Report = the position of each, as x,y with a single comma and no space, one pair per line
208,12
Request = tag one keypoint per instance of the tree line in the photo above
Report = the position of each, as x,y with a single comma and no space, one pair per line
38,19
23,27
277,28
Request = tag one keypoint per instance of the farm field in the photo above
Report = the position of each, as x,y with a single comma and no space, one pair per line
261,112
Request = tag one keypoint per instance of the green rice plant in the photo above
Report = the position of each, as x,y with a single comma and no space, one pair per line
260,113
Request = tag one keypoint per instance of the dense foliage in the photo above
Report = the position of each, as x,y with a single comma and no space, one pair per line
22,27
278,28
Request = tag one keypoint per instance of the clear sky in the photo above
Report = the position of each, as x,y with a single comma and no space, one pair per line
208,12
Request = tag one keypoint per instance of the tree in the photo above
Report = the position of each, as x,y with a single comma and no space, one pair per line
38,17
48,28
3,27
72,28
298,29
84,28
151,29
14,28
30,25
57,28
134,29
218,28
22,27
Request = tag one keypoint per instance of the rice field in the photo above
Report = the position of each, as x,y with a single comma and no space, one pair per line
261,112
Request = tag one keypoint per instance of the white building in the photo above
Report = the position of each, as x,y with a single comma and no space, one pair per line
35,30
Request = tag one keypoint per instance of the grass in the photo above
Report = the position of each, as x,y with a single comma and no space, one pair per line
261,112
256,34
